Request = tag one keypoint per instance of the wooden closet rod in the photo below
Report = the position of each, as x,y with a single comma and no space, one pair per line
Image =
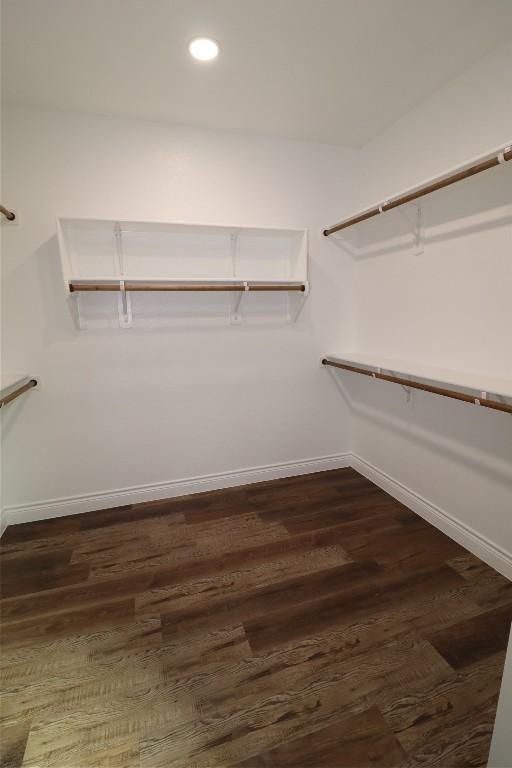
10,215
433,186
17,392
494,404
129,286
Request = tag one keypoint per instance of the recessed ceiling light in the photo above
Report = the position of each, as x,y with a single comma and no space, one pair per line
203,48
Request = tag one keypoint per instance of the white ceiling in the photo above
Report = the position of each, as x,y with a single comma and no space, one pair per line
337,71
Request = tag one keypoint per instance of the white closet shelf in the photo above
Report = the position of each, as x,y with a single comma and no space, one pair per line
131,256
470,387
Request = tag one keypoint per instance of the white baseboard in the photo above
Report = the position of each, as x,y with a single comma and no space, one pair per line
482,547
117,498
479,545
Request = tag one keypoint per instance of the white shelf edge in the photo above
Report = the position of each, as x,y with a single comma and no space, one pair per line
184,280
227,228
469,383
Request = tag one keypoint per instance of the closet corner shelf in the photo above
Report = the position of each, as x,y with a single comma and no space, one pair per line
13,385
487,391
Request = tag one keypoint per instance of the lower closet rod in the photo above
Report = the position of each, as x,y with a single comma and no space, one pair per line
128,286
494,404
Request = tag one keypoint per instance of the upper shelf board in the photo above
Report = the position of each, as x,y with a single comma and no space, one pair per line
470,383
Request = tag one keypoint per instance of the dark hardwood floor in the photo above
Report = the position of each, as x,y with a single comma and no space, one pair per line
311,621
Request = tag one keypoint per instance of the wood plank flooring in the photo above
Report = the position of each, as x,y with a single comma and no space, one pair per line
306,622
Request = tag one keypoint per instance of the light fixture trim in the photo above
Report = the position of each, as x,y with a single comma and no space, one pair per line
203,48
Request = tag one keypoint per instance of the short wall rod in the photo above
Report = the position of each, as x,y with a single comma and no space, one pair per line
17,392
9,215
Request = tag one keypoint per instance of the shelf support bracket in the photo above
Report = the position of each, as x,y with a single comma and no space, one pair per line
234,251
124,307
416,224
407,391
119,248
74,307
299,303
124,301
236,316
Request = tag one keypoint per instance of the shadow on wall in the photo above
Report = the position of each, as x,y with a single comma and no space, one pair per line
477,438
9,415
57,318
475,205
423,310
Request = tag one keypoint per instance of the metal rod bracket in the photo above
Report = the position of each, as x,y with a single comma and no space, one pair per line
407,391
501,155
236,316
74,302
416,224
124,307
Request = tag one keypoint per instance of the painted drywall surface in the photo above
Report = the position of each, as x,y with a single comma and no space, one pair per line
2,517
461,120
501,746
118,408
449,306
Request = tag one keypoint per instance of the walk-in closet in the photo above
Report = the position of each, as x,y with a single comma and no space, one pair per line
256,384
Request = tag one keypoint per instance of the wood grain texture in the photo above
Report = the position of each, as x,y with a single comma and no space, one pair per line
310,621
363,739
473,639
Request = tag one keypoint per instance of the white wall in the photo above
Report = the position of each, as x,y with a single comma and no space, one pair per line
501,746
450,306
124,408
2,521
